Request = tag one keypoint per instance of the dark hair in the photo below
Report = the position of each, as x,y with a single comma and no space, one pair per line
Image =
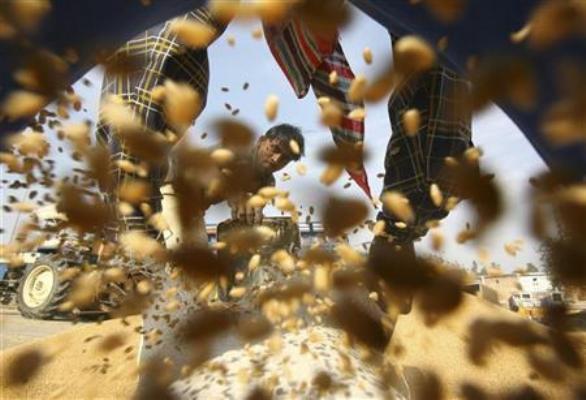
286,133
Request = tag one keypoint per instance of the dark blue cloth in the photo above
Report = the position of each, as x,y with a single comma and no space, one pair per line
86,26
484,29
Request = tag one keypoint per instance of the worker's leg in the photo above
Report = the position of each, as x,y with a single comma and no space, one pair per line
173,302
414,162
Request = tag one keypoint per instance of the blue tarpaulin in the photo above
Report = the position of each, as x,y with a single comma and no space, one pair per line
483,30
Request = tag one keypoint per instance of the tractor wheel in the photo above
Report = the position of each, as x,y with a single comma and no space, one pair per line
42,289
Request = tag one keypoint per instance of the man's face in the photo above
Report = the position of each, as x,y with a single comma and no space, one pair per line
272,154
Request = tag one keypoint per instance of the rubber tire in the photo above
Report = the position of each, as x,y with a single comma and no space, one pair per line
49,308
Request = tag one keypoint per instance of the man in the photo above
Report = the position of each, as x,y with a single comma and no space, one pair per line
271,153
156,56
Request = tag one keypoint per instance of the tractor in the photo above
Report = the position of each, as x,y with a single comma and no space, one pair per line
39,288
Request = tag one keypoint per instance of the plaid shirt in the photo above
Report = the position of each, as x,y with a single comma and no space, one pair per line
413,163
159,56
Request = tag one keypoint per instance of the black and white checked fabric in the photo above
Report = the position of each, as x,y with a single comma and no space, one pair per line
413,163
158,56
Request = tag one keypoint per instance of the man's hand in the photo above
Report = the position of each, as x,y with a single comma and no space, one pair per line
242,210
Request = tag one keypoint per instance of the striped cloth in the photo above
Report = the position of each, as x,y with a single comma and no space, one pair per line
307,60
159,56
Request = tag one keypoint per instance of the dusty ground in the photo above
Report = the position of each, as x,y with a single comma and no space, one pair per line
75,364
17,330
444,349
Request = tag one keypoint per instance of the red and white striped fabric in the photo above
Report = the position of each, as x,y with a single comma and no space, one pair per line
307,60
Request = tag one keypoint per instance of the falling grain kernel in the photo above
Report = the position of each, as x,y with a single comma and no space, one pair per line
237,292
29,14
173,305
333,78
436,195
283,260
301,169
31,144
78,134
271,107
21,104
140,245
222,156
23,367
442,43
134,191
256,201
193,34
399,205
321,279
379,228
367,55
401,225
66,306
413,54
126,166
451,203
284,204
231,40
357,88
294,146
23,207
144,287
358,114
254,262
521,34
473,154
512,248
182,104
257,33
411,122
331,174
373,296
465,236
158,222
158,93
146,209
268,192
114,274
437,240
331,115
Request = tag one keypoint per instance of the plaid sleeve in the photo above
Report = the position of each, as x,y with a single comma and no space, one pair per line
159,56
413,163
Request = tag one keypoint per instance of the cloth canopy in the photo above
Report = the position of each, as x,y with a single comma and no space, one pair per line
483,30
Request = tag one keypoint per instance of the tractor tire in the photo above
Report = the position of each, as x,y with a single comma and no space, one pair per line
42,289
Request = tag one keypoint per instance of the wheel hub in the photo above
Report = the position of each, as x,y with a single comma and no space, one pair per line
38,285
